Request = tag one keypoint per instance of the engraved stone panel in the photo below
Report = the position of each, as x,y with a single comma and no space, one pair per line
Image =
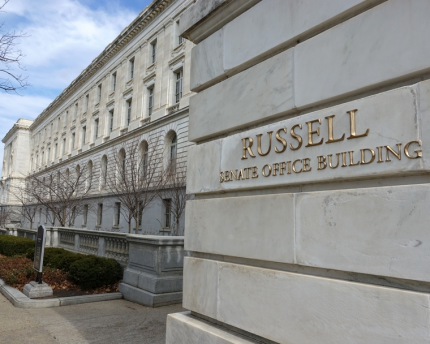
374,136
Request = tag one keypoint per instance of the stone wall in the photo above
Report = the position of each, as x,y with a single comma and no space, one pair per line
311,173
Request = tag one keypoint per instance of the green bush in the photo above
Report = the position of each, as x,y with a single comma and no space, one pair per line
15,246
57,258
94,272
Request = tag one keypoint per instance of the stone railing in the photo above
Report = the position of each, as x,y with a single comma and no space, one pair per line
102,244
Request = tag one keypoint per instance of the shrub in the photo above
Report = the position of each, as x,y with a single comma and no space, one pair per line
94,272
15,246
57,258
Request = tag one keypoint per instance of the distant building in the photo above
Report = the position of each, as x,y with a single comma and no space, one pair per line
138,87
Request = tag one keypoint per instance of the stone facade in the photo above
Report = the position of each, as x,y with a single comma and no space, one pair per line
311,169
138,70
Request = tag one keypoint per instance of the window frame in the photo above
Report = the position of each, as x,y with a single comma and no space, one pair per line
179,77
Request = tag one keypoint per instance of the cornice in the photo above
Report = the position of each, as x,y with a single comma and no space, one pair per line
13,130
145,17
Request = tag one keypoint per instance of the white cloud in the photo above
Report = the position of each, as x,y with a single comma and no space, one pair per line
63,38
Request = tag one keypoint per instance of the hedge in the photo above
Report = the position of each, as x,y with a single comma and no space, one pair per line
15,246
87,271
94,272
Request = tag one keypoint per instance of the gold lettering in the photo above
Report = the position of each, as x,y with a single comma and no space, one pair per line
263,171
289,167
379,154
363,155
306,165
283,168
344,159
396,154
313,132
294,166
247,172
330,131
419,153
227,176
221,177
259,144
282,140
351,161
254,170
321,162
330,162
247,148
297,137
275,169
233,174
241,175
353,126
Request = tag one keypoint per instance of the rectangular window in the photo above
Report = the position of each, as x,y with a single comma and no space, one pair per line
43,156
64,146
96,128
85,215
87,100
110,121
180,39
48,157
131,68
76,111
46,215
113,82
167,206
150,101
52,218
55,150
99,93
139,215
73,216
100,214
52,129
154,51
58,123
117,216
178,90
73,141
65,118
40,215
128,112
84,134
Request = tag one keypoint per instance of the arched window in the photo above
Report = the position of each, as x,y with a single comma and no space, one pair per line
89,176
173,148
122,163
143,165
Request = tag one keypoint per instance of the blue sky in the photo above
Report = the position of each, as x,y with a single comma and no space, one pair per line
63,37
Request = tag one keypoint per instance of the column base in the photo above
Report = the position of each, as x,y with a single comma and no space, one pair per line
182,328
147,298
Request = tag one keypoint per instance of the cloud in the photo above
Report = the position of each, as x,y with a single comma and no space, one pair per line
63,37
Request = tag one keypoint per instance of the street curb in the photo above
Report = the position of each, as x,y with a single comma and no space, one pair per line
19,300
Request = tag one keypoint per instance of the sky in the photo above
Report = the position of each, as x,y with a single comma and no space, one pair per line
62,38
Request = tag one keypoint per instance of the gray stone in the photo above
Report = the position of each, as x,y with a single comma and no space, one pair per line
244,98
279,305
34,290
382,45
153,276
147,298
182,328
243,225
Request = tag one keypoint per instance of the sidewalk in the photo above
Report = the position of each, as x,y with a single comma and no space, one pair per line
116,321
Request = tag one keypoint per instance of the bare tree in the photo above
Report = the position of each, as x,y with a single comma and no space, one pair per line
135,177
61,193
175,190
23,195
10,57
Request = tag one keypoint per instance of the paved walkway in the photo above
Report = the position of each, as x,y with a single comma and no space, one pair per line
117,321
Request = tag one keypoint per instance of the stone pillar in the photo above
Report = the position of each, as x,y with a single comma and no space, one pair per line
311,173
153,276
54,237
